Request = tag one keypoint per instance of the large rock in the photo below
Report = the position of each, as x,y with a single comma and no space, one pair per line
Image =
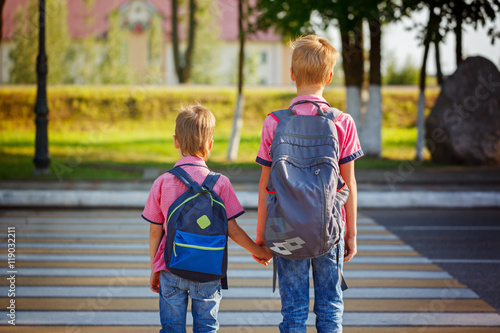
464,124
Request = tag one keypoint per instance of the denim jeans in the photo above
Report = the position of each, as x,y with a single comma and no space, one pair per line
174,292
293,280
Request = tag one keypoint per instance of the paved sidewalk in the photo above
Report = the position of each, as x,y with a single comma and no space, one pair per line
405,187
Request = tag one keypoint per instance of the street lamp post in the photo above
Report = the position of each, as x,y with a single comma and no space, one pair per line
42,156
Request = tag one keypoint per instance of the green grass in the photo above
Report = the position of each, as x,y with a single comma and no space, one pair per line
121,150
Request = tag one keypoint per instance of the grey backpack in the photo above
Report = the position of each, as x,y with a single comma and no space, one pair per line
305,189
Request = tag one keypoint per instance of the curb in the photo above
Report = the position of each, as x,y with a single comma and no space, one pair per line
248,199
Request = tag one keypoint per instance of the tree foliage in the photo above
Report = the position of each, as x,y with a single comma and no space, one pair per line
206,53
25,43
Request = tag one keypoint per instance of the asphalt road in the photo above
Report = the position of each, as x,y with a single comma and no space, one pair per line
465,243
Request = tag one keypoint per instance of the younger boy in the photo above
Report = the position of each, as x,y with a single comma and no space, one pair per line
313,60
194,140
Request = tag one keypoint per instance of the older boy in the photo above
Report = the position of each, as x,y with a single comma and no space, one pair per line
313,60
194,140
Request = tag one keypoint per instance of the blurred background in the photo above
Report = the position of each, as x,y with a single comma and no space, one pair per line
118,72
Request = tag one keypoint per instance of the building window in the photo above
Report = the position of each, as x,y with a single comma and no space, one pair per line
263,57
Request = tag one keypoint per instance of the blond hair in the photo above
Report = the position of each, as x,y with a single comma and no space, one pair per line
313,59
194,129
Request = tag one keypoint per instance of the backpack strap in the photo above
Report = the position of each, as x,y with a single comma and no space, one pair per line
186,179
332,113
279,115
275,272
210,180
343,284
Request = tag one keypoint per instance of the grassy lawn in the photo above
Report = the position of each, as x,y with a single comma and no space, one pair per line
121,150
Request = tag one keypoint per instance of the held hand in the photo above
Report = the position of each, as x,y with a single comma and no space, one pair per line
266,254
351,248
266,257
154,281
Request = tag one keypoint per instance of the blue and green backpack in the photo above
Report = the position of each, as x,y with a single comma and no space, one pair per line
196,244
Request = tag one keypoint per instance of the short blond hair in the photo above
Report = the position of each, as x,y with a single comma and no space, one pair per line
313,59
194,129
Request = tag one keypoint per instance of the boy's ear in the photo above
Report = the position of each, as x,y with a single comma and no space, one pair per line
330,77
176,143
291,74
210,145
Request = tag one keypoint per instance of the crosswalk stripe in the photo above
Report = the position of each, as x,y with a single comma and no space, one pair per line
240,273
144,235
389,248
236,292
247,329
231,259
255,304
234,282
254,318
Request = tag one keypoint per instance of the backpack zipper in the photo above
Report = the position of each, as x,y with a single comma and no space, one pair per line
198,247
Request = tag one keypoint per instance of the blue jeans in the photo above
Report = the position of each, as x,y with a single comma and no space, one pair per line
174,293
293,280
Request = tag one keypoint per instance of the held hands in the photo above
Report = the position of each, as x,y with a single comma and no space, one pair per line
154,281
265,256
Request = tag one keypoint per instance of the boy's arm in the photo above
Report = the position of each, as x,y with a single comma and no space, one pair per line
240,237
155,236
261,208
351,206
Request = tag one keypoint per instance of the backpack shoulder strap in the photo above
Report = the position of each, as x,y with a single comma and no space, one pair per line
280,114
210,180
185,178
332,113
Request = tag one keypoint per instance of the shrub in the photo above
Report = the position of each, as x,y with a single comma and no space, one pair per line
80,107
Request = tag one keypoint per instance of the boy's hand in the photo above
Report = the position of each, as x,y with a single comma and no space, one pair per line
266,256
351,248
262,243
154,281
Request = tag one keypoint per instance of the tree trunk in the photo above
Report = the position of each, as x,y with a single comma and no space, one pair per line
352,61
439,73
234,143
458,34
373,118
2,3
183,66
421,106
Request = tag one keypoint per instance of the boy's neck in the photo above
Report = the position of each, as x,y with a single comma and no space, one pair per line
310,90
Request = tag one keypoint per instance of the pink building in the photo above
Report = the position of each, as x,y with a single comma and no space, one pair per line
269,55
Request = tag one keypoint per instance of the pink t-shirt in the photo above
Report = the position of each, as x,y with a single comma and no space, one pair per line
167,188
349,147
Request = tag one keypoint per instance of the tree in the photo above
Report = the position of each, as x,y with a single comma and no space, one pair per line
25,42
154,75
238,119
183,64
408,74
348,16
430,33
25,45
459,12
206,53
2,3
455,13
114,68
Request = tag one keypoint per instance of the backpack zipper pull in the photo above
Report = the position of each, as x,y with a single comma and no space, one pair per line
175,254
317,172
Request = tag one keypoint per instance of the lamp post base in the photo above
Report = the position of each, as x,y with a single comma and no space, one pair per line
41,172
